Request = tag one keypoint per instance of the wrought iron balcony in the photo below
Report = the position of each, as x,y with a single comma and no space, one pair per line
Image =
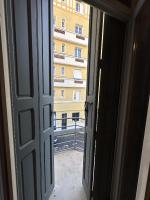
61,58
69,134
68,82
68,36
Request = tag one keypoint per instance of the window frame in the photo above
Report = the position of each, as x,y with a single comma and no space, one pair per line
77,27
63,48
64,119
80,74
63,70
75,95
62,94
54,21
54,70
54,121
63,23
78,54
78,7
77,117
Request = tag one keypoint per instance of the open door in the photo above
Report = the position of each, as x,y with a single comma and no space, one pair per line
91,97
29,31
23,59
46,97
108,108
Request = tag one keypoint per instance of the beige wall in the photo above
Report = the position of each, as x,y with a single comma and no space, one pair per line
66,10
69,71
70,48
68,94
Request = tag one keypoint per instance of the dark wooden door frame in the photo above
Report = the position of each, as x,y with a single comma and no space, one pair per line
116,9
124,120
123,13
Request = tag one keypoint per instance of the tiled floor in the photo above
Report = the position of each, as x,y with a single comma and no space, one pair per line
68,176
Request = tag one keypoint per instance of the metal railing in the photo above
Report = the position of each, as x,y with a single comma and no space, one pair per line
69,134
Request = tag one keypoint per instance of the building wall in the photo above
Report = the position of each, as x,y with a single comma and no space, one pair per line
65,10
69,48
69,71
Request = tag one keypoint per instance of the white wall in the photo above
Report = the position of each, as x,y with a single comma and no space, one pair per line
145,161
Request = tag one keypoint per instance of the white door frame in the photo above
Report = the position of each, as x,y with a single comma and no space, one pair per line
8,98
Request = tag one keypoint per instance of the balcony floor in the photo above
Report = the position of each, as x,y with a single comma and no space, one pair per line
68,176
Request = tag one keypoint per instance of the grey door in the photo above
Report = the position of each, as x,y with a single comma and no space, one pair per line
91,99
108,109
23,59
46,97
30,59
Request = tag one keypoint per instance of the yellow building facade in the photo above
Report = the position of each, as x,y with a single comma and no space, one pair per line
71,27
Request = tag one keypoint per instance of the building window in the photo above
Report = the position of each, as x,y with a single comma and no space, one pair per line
63,48
62,71
54,116
75,116
63,23
79,29
54,71
54,21
54,46
76,96
62,93
78,7
78,52
77,74
64,120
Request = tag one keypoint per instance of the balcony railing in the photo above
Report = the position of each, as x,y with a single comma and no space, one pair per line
70,37
64,59
69,134
66,82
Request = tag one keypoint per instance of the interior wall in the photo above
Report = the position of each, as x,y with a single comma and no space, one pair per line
3,169
7,97
145,161
126,2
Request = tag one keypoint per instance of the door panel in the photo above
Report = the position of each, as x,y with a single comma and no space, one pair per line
22,40
110,84
90,106
46,99
138,104
30,55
